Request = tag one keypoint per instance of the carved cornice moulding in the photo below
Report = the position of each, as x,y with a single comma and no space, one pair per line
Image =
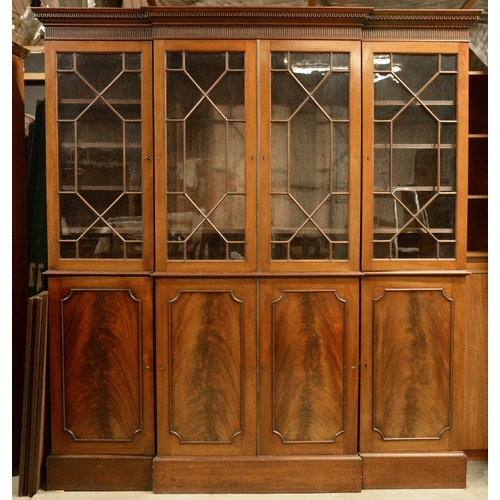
89,17
259,15
423,18
278,22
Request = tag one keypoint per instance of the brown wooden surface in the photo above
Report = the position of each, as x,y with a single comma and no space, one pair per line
206,367
308,366
412,471
101,365
257,475
35,425
412,364
208,341
96,473
475,433
19,248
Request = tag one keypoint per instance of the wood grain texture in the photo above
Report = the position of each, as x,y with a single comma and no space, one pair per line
475,434
102,364
414,471
412,364
300,474
309,366
99,473
206,367
308,371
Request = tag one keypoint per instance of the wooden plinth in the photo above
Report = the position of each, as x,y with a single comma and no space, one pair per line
410,470
99,472
257,475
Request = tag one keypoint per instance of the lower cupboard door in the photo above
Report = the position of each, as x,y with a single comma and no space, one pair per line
411,364
206,367
101,365
308,367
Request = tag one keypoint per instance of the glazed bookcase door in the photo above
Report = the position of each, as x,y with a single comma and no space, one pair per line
99,156
414,155
411,364
309,160
205,126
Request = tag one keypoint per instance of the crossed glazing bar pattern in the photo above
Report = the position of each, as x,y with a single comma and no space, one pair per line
100,176
415,128
205,137
309,156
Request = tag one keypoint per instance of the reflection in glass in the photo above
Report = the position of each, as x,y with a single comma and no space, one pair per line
414,156
309,156
99,133
205,133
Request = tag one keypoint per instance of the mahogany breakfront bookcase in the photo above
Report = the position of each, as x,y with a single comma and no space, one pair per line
257,247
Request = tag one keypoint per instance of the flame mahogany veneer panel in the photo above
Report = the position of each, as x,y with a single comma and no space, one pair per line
308,371
412,364
101,342
308,366
101,365
206,366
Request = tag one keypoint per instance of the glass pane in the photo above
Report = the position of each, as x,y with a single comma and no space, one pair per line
236,157
415,71
340,172
228,96
414,152
439,97
182,95
279,157
205,156
206,138
286,217
65,61
310,69
67,150
74,96
99,70
333,96
205,69
279,60
286,96
236,60
309,155
133,157
100,135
